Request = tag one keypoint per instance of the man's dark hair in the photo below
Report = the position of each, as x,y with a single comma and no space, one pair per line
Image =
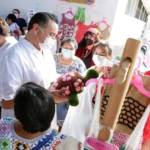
42,18
70,40
17,10
12,17
34,107
4,28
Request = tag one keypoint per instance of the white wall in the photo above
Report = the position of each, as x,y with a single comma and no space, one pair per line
102,8
125,26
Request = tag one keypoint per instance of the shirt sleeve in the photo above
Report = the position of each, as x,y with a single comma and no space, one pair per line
23,23
11,76
14,27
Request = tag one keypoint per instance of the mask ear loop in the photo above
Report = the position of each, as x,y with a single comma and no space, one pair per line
46,36
37,38
42,31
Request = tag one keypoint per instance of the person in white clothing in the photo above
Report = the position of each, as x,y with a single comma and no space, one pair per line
30,60
6,41
14,28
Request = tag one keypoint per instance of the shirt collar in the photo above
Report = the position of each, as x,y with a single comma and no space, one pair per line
28,46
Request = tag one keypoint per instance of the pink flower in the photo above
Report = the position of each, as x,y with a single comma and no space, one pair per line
64,79
68,78
76,84
79,80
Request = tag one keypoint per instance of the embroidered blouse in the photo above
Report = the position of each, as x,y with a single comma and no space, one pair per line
76,65
9,140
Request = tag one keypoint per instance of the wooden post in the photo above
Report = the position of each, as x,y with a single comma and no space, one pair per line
120,87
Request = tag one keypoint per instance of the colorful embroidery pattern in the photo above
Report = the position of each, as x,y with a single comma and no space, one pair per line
21,146
75,66
10,141
5,144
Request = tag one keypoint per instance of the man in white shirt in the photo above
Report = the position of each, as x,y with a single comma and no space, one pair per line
5,40
30,60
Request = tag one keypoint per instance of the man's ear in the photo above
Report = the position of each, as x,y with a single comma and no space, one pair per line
35,28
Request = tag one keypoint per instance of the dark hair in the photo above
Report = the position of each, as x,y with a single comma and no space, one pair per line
42,18
12,17
70,40
34,107
105,47
82,42
4,28
17,10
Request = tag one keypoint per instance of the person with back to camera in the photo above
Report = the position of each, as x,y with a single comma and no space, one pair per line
86,46
34,109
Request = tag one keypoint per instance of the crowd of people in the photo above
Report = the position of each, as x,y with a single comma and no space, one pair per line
27,69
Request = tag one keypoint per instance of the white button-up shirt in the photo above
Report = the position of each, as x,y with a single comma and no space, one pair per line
24,63
10,41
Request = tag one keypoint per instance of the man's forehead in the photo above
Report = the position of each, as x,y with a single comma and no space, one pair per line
52,25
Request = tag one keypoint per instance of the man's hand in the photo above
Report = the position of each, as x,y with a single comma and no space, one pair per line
58,98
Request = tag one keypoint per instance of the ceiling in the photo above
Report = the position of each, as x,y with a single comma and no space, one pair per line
146,4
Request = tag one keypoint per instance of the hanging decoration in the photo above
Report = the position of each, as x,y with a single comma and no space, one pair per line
82,28
88,2
105,34
80,14
30,14
67,26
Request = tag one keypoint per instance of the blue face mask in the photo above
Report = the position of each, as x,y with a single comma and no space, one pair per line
67,53
16,15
